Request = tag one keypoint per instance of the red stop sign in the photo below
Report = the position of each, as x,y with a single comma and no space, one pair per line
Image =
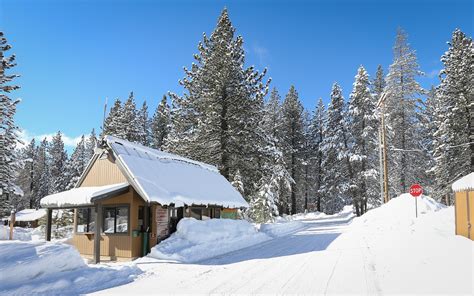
416,190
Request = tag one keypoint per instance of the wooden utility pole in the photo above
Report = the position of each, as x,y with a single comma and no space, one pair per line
381,105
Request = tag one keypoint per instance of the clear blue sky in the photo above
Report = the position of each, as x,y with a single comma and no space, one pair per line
73,54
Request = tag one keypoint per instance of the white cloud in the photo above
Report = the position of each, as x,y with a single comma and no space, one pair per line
261,53
26,137
432,74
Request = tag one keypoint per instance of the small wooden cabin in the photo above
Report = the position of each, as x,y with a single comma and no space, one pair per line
131,197
27,217
464,205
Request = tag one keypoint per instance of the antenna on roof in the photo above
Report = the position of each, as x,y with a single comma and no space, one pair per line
103,120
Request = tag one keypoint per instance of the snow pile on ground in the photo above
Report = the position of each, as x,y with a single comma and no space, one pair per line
53,268
281,227
19,233
404,254
61,234
398,213
197,240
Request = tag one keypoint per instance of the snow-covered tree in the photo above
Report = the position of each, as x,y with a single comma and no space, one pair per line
8,130
363,150
42,174
58,159
217,120
91,144
337,171
160,124
144,123
454,139
130,120
275,172
113,124
77,163
26,175
293,138
402,104
316,135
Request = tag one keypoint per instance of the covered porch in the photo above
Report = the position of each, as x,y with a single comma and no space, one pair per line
111,222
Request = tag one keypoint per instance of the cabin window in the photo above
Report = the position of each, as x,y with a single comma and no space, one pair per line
116,219
85,220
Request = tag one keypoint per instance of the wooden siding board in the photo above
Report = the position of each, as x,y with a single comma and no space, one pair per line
103,172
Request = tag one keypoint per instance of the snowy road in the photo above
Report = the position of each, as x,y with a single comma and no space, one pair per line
296,263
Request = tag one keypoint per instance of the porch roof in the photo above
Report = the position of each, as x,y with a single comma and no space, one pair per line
82,196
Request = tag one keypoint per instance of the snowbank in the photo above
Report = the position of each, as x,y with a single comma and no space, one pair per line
281,227
409,255
19,233
398,213
197,240
53,268
465,183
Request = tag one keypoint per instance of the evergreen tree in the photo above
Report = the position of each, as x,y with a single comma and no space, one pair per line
276,173
334,148
402,104
454,139
77,163
42,174
363,151
217,120
130,121
8,130
144,125
293,138
26,176
91,144
160,124
316,136
58,158
113,125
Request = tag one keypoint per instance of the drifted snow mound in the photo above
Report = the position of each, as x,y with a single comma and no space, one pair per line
19,233
24,261
197,240
398,212
30,268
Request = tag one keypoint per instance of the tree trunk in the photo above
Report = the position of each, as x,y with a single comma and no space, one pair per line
224,126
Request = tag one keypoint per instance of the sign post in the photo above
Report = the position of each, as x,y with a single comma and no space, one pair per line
415,191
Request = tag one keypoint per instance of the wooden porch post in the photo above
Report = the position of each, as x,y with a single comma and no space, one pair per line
49,219
98,227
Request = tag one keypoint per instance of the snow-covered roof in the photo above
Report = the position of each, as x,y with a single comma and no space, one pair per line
465,183
28,215
171,179
80,196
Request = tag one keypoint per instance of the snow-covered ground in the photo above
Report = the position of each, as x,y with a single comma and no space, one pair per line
386,251
52,268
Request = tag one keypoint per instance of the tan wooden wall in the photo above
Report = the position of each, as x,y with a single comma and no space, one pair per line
103,172
462,211
115,245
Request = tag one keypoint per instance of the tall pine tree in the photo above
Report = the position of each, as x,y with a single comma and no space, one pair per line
217,119
8,130
403,101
